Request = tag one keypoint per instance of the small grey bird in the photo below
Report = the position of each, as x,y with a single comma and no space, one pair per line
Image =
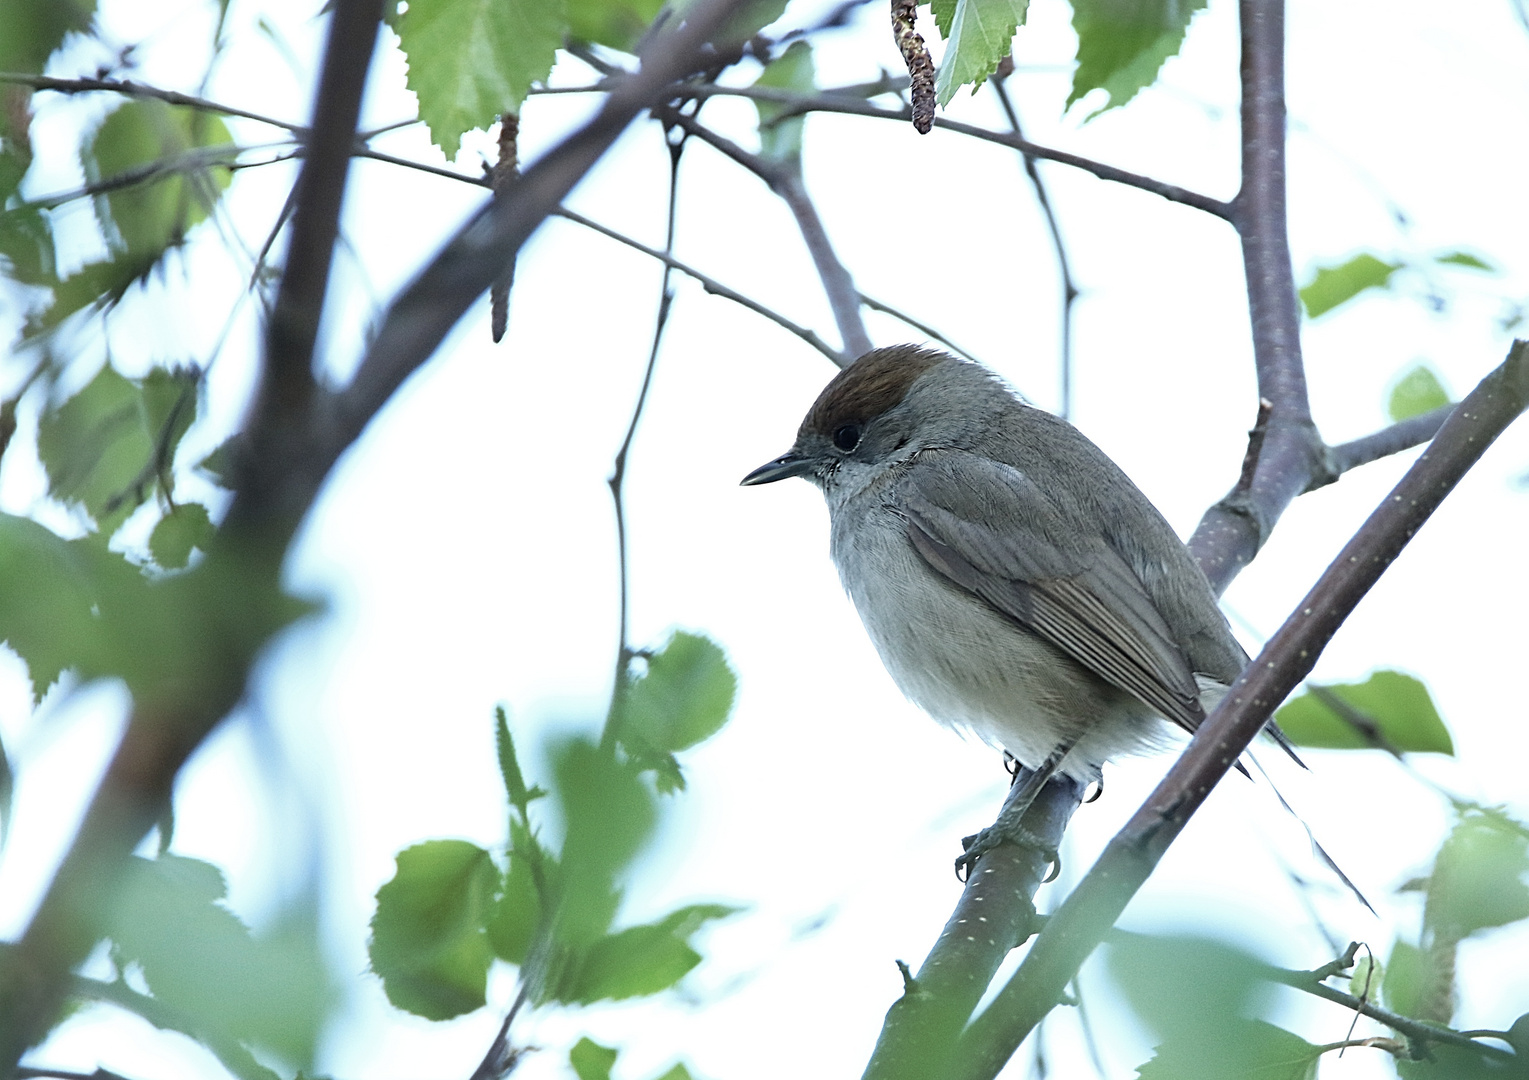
1015,581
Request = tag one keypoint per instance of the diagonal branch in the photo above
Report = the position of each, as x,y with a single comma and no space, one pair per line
1092,908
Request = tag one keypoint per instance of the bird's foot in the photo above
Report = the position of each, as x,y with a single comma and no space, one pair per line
979,844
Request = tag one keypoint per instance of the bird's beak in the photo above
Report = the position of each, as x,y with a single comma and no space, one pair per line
788,464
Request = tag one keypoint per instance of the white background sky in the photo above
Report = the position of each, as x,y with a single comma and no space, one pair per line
466,551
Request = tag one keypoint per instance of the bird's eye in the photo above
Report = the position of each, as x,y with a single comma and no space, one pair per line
847,436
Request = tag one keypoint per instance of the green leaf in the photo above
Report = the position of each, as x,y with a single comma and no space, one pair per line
1478,877
1467,260
1122,45
679,1072
617,23
187,526
471,60
509,767
112,444
1405,987
201,962
1366,979
428,940
978,34
517,914
166,158
610,815
683,698
35,28
1181,985
591,1061
643,960
1397,707
1447,1061
1332,286
791,70
1244,1049
1415,393
49,594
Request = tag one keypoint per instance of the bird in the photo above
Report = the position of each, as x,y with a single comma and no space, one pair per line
1015,582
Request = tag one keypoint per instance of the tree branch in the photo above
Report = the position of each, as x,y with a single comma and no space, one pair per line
1084,918
994,916
1400,436
128,88
166,726
1232,531
797,104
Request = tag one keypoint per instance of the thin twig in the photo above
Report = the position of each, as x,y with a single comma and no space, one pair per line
796,104
502,1055
617,479
128,88
710,284
1069,287
1402,435
922,327
785,180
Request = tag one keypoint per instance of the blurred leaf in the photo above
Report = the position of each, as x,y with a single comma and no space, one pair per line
26,240
749,19
187,526
1399,706
509,767
679,1072
609,815
1366,980
159,170
1122,45
35,28
978,34
1336,285
471,60
1478,878
1240,1049
1182,986
591,1061
1467,260
50,590
517,913
1415,393
791,70
172,155
617,23
428,940
7,791
110,445
1404,988
198,959
683,698
643,960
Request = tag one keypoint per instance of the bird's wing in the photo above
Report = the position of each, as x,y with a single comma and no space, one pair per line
1021,557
